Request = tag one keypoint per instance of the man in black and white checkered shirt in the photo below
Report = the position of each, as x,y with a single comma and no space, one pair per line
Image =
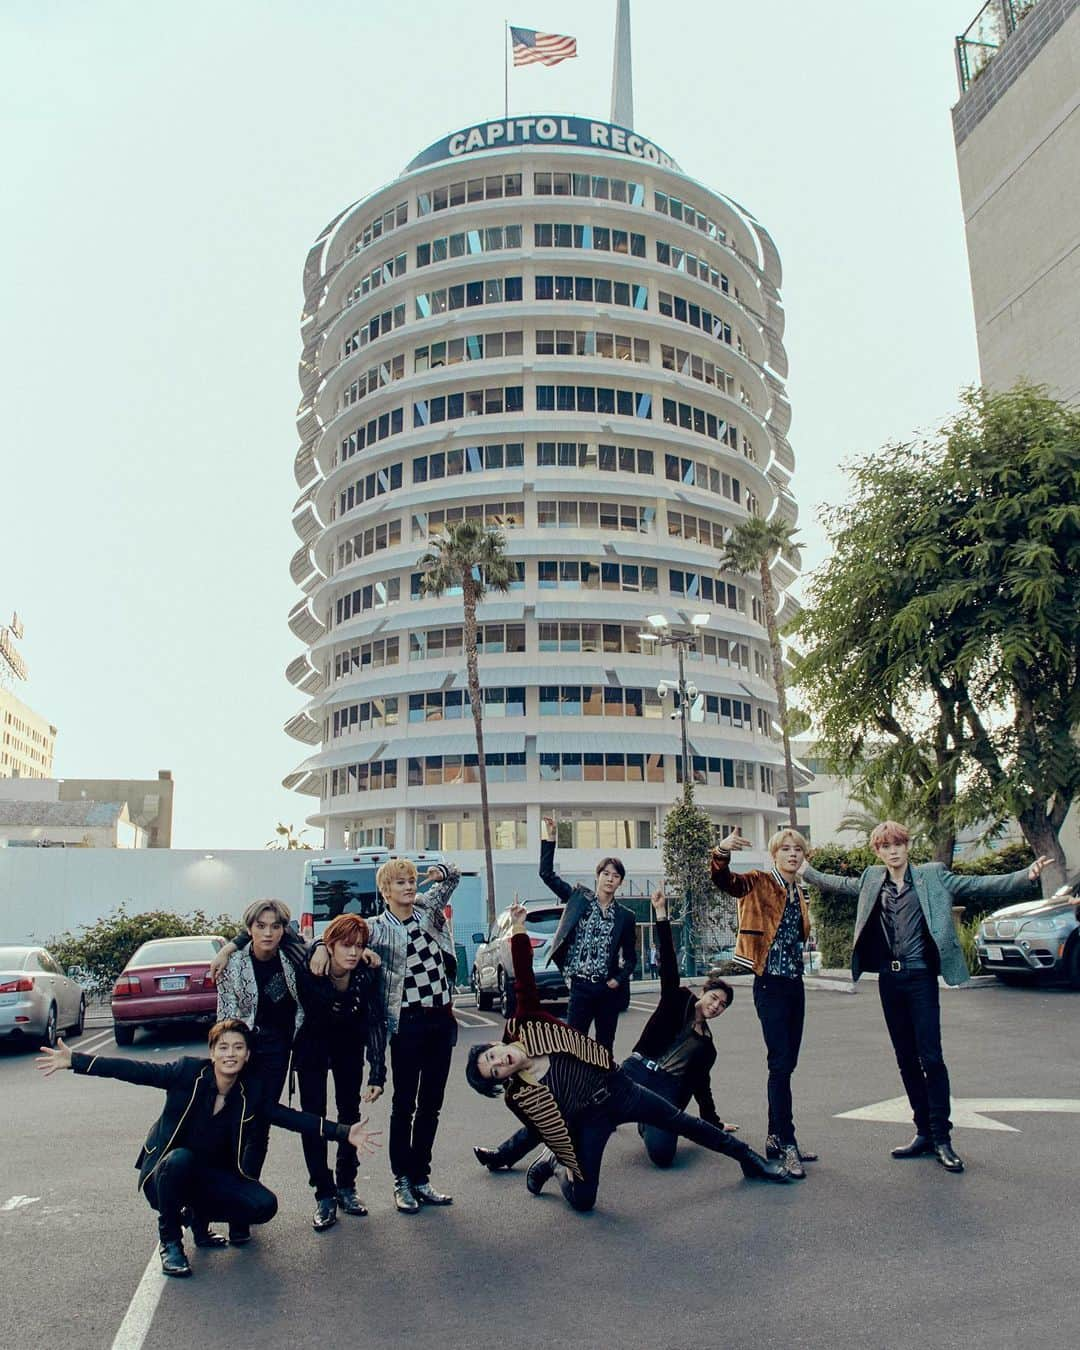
416,946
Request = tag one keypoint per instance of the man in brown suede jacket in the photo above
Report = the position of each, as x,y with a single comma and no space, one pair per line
774,923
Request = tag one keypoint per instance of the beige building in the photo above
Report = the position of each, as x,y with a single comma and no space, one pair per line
27,740
149,801
1017,131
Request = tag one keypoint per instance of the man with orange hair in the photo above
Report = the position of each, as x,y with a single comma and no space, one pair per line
344,1017
904,930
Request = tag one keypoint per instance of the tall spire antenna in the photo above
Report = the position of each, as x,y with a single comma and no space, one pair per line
622,77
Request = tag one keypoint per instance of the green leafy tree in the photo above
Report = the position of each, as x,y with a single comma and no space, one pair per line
946,619
751,549
100,951
689,835
472,558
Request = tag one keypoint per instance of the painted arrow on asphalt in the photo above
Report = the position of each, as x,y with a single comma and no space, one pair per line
967,1112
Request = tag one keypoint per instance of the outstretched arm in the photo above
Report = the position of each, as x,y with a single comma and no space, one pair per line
829,884
548,875
526,994
317,1127
1010,886
665,947
445,877
723,878
141,1072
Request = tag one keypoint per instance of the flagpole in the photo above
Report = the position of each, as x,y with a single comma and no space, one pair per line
506,69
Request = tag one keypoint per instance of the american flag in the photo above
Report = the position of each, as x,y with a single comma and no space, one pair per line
547,48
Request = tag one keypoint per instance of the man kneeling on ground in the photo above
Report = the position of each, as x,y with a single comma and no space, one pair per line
189,1167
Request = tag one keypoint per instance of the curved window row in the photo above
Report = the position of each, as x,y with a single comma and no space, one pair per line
687,363
378,276
695,529
379,326
726,712
587,342
680,210
594,700
702,586
386,372
582,455
376,595
591,290
371,485
451,836
670,255
490,291
377,226
368,433
697,316
586,576
492,639
589,185
500,515
688,417
363,778
693,473
601,768
469,459
468,243
475,347
567,636
371,713
417,592
451,770
509,398
491,188
588,398
571,514
366,656
599,237
374,539
714,771
447,705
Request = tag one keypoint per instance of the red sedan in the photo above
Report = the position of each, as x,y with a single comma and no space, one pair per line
167,980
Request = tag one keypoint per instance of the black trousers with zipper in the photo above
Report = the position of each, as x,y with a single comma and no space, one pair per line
183,1180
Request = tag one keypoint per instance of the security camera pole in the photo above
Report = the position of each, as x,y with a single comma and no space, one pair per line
682,641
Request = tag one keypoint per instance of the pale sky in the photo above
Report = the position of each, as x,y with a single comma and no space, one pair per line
167,167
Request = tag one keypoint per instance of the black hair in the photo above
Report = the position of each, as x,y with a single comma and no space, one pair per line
617,863
714,980
488,1087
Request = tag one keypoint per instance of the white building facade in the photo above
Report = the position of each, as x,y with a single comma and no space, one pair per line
544,325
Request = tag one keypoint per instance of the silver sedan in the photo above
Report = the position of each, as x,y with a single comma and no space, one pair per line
37,1000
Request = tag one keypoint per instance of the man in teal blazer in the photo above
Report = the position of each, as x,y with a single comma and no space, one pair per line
904,930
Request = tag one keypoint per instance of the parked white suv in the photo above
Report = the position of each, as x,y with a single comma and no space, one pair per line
492,977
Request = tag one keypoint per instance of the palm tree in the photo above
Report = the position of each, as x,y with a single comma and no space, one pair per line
288,837
472,557
750,549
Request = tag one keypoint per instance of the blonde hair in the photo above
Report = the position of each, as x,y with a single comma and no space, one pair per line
889,832
391,868
279,908
784,836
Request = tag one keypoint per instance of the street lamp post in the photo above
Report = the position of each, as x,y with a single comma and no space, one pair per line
682,641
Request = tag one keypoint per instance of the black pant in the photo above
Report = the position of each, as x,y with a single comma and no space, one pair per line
269,1067
211,1193
420,1053
660,1144
597,1003
345,1060
780,1003
911,1003
623,1102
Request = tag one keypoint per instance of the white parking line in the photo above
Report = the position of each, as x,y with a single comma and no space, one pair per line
643,1007
475,1019
94,1043
141,1309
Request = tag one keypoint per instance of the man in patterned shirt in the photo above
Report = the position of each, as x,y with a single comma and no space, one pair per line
594,945
774,923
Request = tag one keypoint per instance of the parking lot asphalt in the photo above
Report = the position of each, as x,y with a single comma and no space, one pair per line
866,1251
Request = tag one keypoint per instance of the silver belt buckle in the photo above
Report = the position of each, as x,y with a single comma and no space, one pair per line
896,965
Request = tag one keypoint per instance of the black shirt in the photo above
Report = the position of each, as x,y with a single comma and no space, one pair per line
275,1014
902,922
210,1137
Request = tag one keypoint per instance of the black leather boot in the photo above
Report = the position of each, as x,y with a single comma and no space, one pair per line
174,1262
540,1173
325,1215
918,1147
947,1158
201,1232
491,1158
755,1166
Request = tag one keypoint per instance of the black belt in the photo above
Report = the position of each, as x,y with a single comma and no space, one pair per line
649,1063
896,965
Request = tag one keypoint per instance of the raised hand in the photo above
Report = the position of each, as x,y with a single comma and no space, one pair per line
549,828
363,1139
52,1061
518,914
373,1093
1037,867
659,903
220,961
434,873
733,842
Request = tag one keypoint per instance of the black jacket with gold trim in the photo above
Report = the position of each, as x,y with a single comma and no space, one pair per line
182,1080
541,1034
